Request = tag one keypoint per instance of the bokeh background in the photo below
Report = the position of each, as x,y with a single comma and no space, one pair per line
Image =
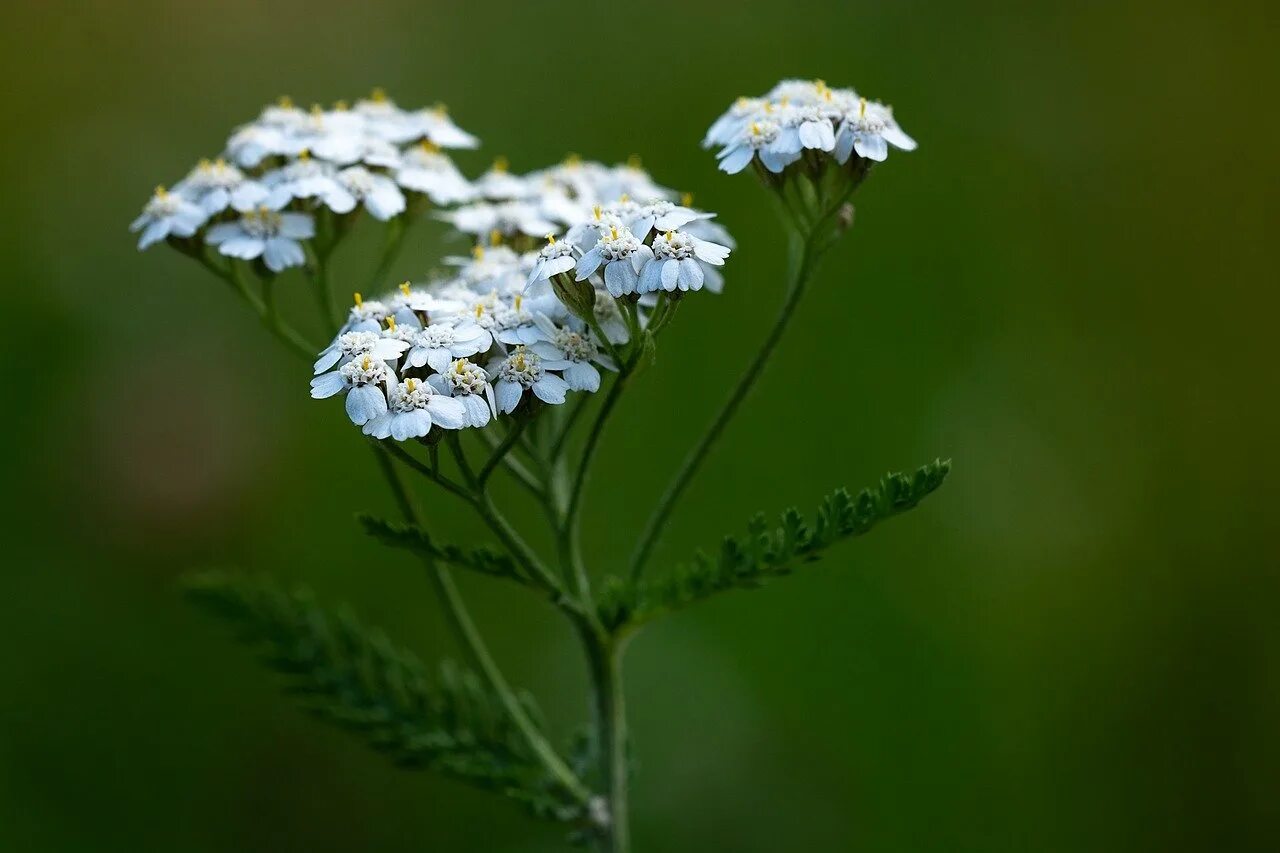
1070,289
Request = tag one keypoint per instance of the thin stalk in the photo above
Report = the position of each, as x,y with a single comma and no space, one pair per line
318,272
579,407
803,259
500,452
267,313
463,625
570,529
431,472
397,230
518,470
503,529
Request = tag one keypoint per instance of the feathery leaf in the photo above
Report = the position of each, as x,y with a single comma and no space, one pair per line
768,552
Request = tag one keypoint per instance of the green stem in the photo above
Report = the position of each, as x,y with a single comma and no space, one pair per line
562,437
604,658
318,272
500,452
804,256
506,533
397,230
570,536
266,311
431,472
466,629
518,470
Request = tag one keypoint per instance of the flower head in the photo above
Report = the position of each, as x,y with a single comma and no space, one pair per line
412,407
267,234
522,371
678,262
799,115
168,213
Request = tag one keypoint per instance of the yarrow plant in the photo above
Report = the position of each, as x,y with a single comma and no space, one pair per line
505,366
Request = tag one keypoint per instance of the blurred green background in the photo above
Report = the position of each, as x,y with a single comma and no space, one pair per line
1069,289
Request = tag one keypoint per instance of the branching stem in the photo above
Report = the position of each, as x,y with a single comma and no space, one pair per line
809,242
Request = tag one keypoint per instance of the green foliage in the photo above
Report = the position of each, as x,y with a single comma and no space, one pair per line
410,537
765,553
354,677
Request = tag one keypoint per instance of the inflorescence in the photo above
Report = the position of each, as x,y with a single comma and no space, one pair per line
258,199
804,115
514,326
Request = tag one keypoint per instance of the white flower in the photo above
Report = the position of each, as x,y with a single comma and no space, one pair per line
380,195
662,215
410,410
216,185
424,169
677,262
406,303
267,234
512,322
305,178
553,259
436,125
524,370
167,213
492,268
623,256
814,127
441,343
253,143
469,384
338,136
498,184
360,378
804,114
870,130
366,315
602,218
775,146
571,352
508,219
351,345
736,119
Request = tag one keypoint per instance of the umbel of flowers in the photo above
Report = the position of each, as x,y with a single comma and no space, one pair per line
509,329
569,277
260,198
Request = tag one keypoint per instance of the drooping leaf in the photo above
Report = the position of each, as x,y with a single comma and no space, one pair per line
352,676
767,552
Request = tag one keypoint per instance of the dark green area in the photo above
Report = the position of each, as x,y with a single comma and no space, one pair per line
1069,290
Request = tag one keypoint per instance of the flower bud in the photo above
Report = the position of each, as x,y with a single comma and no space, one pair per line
578,296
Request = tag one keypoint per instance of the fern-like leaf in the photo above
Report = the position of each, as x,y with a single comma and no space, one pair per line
766,551
413,538
352,676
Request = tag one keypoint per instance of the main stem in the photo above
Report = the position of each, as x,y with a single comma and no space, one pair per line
604,656
804,255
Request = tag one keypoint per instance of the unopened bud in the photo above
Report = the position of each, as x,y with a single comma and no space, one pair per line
578,296
844,218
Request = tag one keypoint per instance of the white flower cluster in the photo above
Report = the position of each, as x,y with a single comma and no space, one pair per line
495,332
617,227
258,199
800,115
458,353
